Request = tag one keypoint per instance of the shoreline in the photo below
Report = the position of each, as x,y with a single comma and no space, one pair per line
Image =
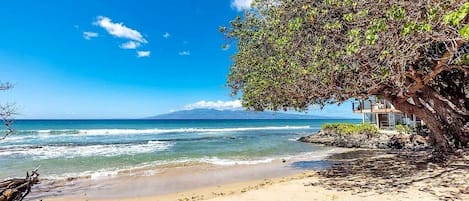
202,193
170,180
358,174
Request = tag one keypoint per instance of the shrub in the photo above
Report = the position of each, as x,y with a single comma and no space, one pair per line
403,129
343,129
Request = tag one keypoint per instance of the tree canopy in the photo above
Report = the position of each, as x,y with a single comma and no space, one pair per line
292,54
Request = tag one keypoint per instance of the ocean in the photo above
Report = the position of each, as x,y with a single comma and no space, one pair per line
101,148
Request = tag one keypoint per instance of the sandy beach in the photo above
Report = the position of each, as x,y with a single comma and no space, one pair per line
175,178
356,175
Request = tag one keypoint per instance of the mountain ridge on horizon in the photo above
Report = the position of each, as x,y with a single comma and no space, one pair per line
236,114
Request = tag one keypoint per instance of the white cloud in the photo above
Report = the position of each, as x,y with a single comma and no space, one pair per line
241,5
185,53
166,35
88,35
119,29
130,45
143,53
219,105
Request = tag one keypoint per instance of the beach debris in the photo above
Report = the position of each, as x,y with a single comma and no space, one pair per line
18,189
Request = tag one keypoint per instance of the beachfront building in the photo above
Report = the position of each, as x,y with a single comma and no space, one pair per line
382,113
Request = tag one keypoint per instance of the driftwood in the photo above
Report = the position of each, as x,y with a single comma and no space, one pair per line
18,189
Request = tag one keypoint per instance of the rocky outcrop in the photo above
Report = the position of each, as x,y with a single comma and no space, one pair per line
381,141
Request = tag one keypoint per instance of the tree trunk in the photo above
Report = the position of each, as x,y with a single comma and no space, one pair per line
441,144
443,105
453,114
448,123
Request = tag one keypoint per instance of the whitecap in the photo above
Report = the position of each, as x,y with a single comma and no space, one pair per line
48,152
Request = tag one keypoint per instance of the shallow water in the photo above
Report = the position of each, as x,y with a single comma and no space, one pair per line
97,148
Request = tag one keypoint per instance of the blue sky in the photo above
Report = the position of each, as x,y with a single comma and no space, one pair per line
117,59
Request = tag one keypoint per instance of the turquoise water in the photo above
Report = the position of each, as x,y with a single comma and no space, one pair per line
71,148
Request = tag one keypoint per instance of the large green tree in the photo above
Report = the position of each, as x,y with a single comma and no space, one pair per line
295,53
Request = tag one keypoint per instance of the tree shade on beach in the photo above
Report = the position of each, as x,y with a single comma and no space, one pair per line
292,54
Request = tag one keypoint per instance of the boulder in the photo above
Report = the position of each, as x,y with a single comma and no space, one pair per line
397,142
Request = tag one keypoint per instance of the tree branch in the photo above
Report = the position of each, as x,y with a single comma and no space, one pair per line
440,66
7,111
462,67
6,114
5,86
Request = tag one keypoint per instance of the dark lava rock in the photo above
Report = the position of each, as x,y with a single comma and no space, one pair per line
383,141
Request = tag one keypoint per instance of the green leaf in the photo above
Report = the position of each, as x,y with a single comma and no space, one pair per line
222,29
396,13
454,18
426,27
370,37
408,28
464,31
348,17
353,34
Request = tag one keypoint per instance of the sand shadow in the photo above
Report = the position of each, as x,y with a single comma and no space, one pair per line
390,172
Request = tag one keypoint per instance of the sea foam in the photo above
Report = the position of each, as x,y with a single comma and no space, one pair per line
64,151
158,130
47,133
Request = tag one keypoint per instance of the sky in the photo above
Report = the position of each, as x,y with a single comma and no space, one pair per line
118,59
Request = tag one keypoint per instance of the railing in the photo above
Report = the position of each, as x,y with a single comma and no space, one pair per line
371,105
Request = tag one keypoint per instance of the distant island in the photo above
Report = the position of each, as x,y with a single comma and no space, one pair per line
235,114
